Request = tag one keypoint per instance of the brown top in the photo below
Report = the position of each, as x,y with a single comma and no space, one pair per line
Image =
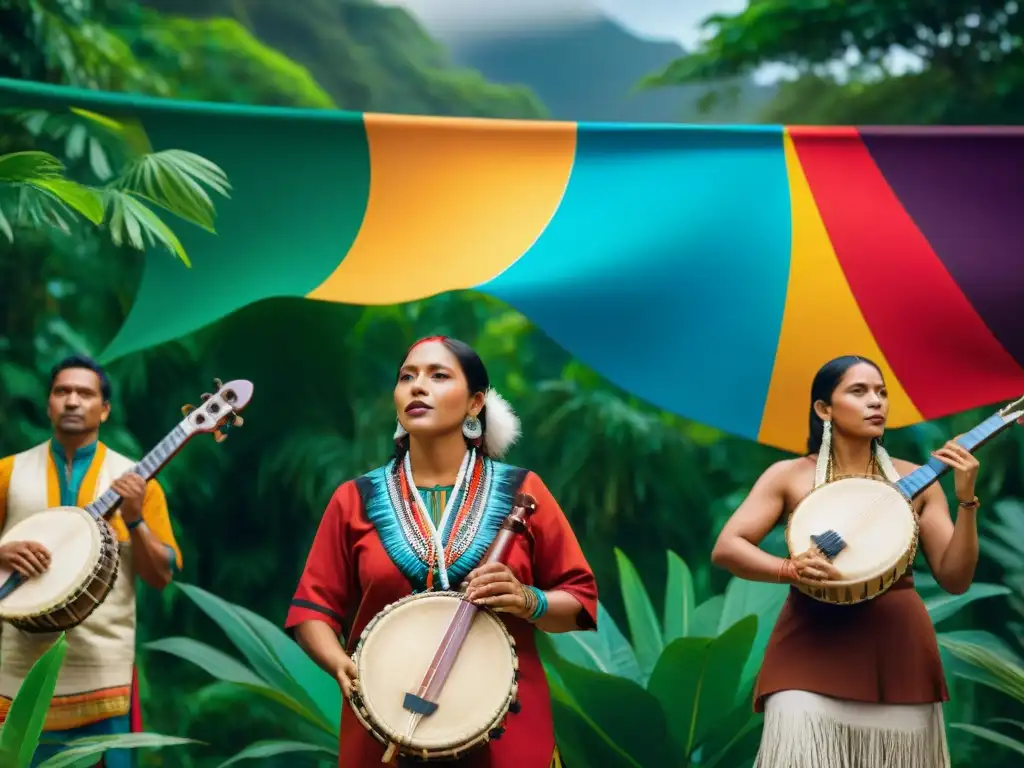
882,651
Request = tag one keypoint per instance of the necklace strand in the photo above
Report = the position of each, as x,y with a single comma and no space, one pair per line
468,461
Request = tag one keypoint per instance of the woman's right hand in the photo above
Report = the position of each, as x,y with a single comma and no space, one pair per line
29,558
812,568
346,674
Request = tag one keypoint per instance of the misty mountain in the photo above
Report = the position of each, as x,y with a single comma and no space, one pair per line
589,71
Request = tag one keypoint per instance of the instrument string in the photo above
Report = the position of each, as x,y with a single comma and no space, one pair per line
849,525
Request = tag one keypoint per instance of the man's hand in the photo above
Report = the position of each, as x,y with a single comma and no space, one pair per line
29,558
132,489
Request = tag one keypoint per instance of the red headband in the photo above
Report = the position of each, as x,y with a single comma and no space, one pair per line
425,340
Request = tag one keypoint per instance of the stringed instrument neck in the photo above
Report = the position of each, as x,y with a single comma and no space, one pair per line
217,414
921,478
151,464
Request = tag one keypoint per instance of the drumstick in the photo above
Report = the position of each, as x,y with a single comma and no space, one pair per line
424,701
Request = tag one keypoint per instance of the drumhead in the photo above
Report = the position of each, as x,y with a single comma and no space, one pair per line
396,652
876,521
73,539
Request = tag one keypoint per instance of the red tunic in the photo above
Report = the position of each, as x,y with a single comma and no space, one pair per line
349,577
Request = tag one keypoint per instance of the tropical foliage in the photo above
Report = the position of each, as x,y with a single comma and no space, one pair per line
277,671
129,176
21,732
627,475
678,692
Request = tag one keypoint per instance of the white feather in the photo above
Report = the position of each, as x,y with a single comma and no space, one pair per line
503,427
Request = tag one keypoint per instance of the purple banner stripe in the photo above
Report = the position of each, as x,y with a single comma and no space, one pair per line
964,187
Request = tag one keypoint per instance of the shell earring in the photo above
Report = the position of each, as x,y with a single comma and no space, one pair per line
399,432
472,428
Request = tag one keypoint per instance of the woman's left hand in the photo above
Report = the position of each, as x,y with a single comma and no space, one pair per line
965,468
494,586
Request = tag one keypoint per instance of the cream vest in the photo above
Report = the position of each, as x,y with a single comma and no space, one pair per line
101,650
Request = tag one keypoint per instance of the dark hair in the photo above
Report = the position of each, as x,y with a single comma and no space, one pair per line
473,369
87,363
825,382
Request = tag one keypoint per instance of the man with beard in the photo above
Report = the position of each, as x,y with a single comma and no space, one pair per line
96,692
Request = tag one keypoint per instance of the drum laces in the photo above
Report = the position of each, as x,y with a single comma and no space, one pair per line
468,461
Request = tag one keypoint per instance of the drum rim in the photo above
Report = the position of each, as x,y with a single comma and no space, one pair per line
83,579
846,583
377,729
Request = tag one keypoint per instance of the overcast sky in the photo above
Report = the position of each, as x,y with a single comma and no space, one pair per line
656,19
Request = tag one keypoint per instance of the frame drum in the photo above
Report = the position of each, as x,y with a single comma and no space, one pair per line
878,525
395,651
83,568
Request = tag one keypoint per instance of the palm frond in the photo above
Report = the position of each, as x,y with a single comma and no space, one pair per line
173,179
42,194
128,130
131,222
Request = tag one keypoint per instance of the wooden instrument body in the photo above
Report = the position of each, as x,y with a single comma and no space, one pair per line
880,528
395,648
85,560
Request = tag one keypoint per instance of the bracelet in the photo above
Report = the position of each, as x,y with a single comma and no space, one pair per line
540,606
972,504
782,567
134,524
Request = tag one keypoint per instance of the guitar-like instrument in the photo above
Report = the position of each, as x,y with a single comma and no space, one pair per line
439,704
867,527
85,557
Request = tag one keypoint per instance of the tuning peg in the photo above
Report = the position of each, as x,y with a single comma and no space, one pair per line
219,436
205,396
237,422
187,409
217,384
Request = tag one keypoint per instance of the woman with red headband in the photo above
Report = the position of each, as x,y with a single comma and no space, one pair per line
445,492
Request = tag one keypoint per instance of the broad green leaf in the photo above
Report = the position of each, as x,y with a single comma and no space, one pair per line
993,737
697,681
580,740
255,649
620,709
263,749
708,617
31,165
644,628
81,751
603,650
762,599
223,667
24,723
680,599
319,688
942,606
80,198
966,667
734,739
1001,672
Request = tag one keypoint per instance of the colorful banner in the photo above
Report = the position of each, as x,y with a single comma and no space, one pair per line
708,269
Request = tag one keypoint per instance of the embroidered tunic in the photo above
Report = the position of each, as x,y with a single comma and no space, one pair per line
366,555
92,699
